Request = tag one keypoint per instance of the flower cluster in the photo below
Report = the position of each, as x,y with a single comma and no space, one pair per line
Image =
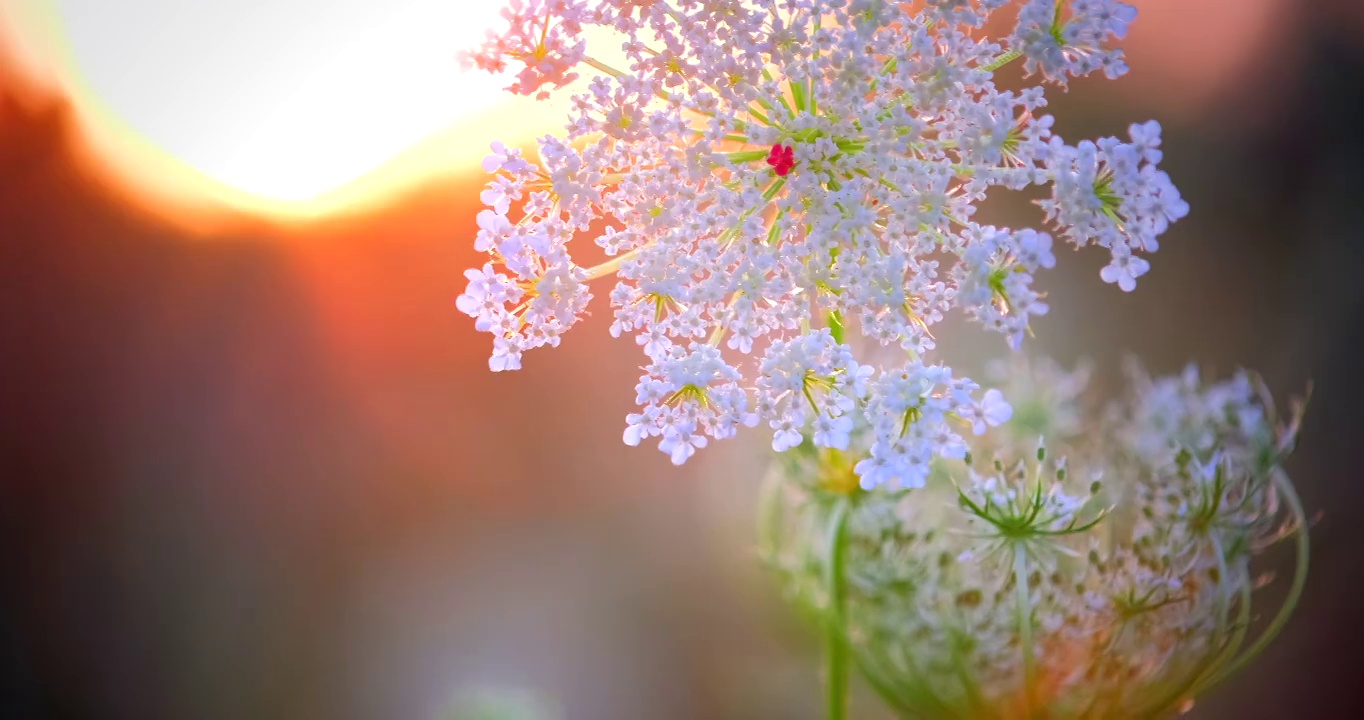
790,187
1115,580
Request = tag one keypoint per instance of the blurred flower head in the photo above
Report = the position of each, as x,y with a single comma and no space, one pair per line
1093,568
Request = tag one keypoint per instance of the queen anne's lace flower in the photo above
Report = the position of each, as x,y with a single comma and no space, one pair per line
1058,45
1119,580
797,181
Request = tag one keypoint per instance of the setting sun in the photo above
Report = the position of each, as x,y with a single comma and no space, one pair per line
276,104
287,100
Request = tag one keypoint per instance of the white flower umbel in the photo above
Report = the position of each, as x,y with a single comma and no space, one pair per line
797,181
1114,582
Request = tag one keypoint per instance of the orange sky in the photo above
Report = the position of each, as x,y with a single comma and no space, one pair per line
33,39
356,302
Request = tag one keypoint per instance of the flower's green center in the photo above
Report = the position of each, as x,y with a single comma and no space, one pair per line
690,392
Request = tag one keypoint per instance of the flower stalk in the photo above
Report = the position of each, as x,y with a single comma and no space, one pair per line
1025,636
836,665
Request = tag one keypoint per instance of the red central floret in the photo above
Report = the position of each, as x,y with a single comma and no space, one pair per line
782,159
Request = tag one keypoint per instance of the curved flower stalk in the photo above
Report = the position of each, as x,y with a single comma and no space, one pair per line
1061,575
795,182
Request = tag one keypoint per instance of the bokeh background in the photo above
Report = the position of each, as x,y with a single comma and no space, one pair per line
252,464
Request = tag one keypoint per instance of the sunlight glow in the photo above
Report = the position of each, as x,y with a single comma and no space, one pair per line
285,99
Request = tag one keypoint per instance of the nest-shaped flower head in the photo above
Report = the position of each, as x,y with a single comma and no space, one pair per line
1060,569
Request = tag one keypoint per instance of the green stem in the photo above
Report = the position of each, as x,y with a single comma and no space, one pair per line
599,65
1226,664
1214,657
745,156
610,266
810,94
1001,60
1025,640
835,323
798,94
1285,487
836,646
